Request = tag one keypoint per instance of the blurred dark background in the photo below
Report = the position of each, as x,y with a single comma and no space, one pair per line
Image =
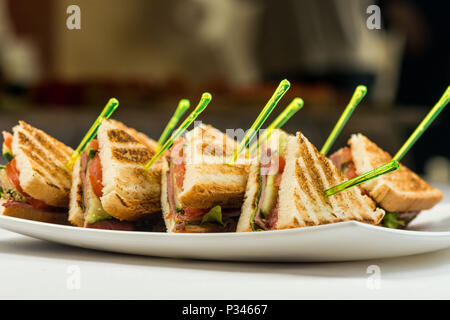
149,54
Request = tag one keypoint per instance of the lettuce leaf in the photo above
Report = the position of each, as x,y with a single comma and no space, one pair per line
214,215
391,220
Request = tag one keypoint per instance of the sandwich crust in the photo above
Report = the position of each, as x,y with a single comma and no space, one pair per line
29,213
41,161
76,212
398,191
165,207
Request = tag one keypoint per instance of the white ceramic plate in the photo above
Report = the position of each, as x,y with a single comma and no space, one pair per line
334,242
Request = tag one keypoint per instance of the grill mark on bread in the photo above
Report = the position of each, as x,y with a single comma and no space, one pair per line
120,136
352,202
215,149
134,156
121,201
303,182
129,190
208,140
333,178
52,185
79,195
51,171
339,201
303,211
39,156
36,155
319,191
309,158
52,146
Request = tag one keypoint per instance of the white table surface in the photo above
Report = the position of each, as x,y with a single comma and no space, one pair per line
35,269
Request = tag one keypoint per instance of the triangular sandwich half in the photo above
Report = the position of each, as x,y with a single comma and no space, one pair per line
35,184
293,196
401,193
200,192
111,189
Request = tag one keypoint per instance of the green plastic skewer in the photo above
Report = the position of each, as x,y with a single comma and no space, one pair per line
359,93
283,117
440,105
393,165
107,111
183,106
204,101
262,117
388,167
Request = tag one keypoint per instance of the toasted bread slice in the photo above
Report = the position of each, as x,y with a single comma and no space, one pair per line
208,180
165,206
129,191
301,198
41,161
250,199
30,213
307,175
399,191
170,217
76,208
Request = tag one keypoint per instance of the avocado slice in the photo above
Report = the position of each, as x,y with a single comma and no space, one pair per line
95,210
270,195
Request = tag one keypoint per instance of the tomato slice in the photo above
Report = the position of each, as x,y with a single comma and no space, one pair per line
281,164
180,170
278,180
94,144
192,213
8,138
95,175
13,174
178,164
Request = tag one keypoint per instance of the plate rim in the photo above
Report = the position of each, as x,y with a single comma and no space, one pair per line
343,224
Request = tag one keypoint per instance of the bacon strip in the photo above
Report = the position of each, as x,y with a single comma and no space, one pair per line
11,203
171,190
84,161
343,160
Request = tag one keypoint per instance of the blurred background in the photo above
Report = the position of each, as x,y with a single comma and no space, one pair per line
149,54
